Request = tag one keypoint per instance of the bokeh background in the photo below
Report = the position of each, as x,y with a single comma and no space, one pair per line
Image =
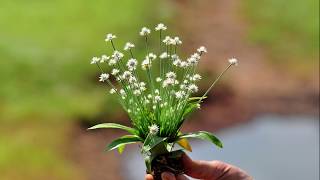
266,109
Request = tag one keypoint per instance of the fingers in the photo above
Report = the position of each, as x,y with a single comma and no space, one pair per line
213,170
168,176
181,177
204,169
148,177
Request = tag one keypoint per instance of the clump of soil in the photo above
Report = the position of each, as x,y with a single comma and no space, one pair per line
170,162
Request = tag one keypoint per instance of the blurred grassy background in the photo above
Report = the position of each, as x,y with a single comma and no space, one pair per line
289,31
47,82
46,78
45,50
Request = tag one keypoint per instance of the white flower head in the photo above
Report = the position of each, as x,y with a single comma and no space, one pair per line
233,61
196,56
103,77
112,62
110,36
145,31
161,27
132,64
122,92
152,56
94,60
117,55
115,71
127,75
183,64
194,59
195,77
146,64
132,79
143,88
193,88
164,55
112,91
142,84
158,79
180,94
176,41
167,40
175,57
202,50
157,98
137,92
171,75
183,86
177,62
168,82
128,46
104,58
154,129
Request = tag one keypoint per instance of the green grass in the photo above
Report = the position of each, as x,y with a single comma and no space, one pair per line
288,29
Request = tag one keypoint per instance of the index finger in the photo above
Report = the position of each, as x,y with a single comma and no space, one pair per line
204,169
149,177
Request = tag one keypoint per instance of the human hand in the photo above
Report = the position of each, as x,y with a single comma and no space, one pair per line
206,170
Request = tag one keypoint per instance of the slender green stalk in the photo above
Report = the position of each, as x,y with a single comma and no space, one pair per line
131,53
214,83
114,48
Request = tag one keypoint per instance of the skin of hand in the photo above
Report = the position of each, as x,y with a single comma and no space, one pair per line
206,170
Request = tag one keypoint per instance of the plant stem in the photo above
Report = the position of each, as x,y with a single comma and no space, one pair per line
114,48
212,85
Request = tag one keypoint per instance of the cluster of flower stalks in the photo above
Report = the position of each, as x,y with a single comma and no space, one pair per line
158,100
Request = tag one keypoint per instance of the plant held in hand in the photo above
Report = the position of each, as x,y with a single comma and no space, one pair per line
157,103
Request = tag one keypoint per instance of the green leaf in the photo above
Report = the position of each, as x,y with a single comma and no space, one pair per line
204,136
151,141
183,142
190,108
121,148
147,161
127,139
115,126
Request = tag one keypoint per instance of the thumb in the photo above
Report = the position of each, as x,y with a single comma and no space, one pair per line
204,169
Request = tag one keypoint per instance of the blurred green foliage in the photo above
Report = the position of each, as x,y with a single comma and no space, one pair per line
289,29
35,151
45,50
46,76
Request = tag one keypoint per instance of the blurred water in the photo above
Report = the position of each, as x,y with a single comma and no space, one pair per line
268,148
